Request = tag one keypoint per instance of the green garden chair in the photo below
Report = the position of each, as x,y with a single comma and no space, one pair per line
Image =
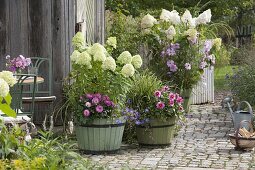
42,67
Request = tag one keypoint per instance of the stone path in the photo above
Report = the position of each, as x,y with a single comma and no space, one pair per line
202,142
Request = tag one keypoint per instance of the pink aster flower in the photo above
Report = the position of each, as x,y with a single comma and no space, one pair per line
99,109
98,95
105,98
86,113
179,100
165,88
89,96
187,66
157,93
95,100
172,96
88,104
181,109
160,105
108,103
202,65
171,102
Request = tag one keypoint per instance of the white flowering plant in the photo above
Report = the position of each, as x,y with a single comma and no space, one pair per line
94,70
180,47
7,80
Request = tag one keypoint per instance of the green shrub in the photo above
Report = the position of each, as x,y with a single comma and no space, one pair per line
125,29
243,55
242,83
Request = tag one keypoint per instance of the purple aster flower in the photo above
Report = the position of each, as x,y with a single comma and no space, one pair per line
118,121
98,95
138,122
187,66
207,46
173,68
99,109
105,97
162,53
202,65
169,63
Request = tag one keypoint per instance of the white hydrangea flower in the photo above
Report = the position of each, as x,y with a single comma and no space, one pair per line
97,47
4,88
109,64
192,34
99,56
186,17
217,43
165,15
75,55
78,40
125,58
192,23
170,32
204,18
8,77
128,70
112,41
146,31
84,59
172,16
148,21
88,49
137,61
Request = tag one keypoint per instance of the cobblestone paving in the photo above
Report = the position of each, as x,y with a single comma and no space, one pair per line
202,142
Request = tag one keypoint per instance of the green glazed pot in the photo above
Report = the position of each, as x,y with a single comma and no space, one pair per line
100,135
157,133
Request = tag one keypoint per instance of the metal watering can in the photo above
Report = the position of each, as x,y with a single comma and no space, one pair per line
239,115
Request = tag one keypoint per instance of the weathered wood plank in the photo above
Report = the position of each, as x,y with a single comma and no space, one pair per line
15,28
4,20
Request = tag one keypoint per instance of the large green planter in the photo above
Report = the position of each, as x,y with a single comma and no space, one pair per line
186,94
100,135
158,132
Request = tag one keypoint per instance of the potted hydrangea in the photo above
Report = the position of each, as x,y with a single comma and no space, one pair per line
181,46
155,119
96,91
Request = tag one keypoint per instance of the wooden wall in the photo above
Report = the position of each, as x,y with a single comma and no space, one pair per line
45,28
38,28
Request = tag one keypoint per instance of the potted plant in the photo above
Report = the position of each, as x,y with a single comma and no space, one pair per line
96,91
154,109
181,46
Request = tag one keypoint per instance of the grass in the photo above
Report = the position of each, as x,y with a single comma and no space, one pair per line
220,81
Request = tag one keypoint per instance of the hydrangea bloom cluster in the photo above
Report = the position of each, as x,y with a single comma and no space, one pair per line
17,64
166,104
98,53
96,105
184,45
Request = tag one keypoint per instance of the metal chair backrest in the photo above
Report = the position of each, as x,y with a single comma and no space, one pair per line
42,67
17,92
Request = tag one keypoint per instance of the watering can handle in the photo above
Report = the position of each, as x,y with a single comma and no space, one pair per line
247,103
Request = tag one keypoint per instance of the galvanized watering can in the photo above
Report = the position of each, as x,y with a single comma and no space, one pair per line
239,115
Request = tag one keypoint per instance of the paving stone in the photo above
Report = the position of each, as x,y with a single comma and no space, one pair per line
202,142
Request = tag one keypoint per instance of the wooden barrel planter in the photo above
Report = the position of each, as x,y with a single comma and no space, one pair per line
100,136
156,133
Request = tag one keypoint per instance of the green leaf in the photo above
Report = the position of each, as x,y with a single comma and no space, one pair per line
7,110
8,99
